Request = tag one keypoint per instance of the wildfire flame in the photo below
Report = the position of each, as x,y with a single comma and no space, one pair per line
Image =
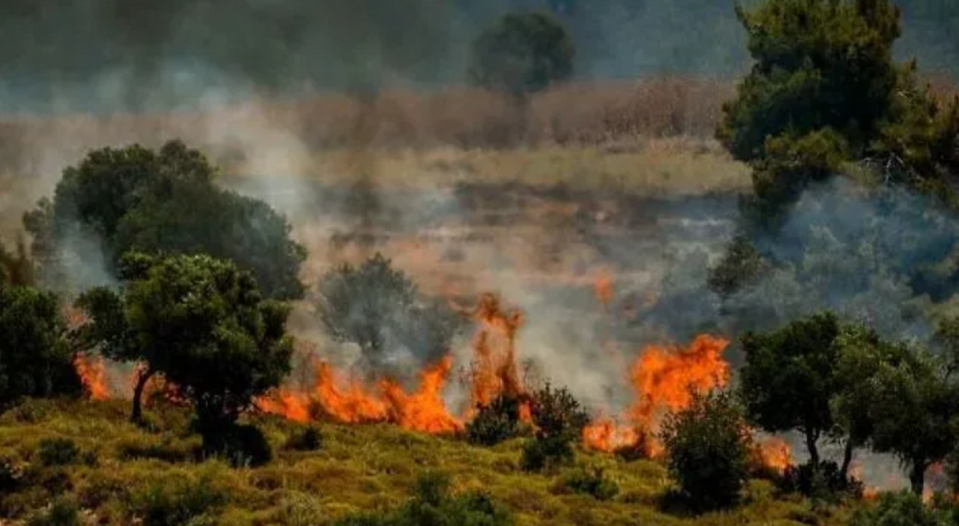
664,379
495,371
92,372
776,454
603,288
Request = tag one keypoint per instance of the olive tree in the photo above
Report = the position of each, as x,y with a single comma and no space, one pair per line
202,324
118,200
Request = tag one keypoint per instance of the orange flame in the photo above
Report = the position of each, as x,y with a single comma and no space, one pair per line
352,405
664,379
495,371
606,435
775,454
425,409
603,288
92,372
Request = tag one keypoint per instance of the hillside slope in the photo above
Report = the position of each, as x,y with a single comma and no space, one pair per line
121,471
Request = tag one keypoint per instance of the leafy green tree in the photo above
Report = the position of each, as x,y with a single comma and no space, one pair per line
202,324
741,265
558,420
788,379
914,407
522,53
35,356
824,90
380,309
496,422
708,450
137,199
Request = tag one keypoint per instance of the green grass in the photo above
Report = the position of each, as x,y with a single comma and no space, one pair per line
358,468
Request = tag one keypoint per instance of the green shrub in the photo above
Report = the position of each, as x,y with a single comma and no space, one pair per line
175,502
496,422
61,512
167,451
58,452
541,454
240,445
307,439
433,504
822,482
898,509
708,448
559,421
301,510
590,481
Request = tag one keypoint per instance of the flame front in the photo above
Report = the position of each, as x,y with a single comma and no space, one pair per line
775,454
664,380
425,409
92,372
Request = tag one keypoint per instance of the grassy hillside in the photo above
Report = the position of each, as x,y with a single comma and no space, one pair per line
123,472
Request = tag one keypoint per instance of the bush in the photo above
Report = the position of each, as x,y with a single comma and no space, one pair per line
62,512
175,502
590,481
559,421
496,422
35,358
380,309
240,445
167,451
708,448
823,482
307,439
898,509
541,454
433,504
58,452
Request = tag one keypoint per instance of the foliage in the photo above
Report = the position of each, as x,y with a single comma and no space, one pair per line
240,445
496,422
590,481
379,308
708,447
35,357
788,379
558,420
201,323
137,199
522,53
898,509
61,512
306,439
177,501
740,266
822,482
433,504
823,90
16,269
58,452
360,469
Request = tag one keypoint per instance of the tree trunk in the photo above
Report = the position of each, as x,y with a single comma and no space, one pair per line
917,476
137,415
811,437
847,458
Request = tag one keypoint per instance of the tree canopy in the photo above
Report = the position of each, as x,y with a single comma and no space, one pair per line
523,52
380,309
137,199
35,357
201,323
824,90
788,379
